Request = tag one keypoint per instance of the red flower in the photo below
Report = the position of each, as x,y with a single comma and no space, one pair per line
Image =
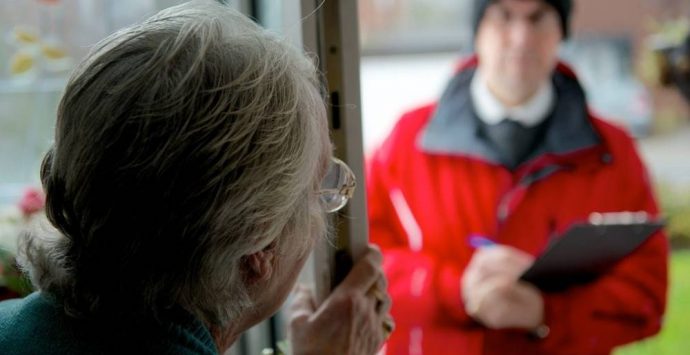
33,201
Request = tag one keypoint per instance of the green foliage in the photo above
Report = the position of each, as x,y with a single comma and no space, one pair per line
10,275
673,339
673,31
663,34
675,205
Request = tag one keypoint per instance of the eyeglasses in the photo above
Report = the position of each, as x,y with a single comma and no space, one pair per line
338,186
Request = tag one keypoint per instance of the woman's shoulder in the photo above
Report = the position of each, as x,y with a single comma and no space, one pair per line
37,323
13,312
28,324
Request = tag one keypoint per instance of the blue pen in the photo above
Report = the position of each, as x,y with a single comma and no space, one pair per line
480,241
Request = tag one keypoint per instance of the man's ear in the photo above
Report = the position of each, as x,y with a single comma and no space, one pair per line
259,266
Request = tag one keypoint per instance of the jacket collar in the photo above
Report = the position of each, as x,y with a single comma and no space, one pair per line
454,129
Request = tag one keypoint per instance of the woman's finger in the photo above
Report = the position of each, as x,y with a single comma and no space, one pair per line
364,273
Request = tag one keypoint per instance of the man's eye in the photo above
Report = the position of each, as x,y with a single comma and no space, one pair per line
537,17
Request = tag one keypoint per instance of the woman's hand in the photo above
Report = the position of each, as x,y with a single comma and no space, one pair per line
354,319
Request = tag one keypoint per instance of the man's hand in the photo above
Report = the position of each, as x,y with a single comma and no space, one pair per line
354,319
494,296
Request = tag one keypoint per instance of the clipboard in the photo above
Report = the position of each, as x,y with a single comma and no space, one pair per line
587,250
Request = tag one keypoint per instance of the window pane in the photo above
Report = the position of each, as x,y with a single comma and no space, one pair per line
40,42
406,26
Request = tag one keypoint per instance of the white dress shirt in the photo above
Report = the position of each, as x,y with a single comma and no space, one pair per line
492,111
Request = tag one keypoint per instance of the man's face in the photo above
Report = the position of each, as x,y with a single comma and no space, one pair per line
517,45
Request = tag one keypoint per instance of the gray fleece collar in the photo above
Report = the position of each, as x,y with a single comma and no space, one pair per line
454,127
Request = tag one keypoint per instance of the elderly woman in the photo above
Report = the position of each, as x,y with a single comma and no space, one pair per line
186,186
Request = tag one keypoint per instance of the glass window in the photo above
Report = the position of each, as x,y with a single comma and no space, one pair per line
406,26
280,16
40,42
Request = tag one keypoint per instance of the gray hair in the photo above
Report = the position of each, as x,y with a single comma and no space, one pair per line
182,145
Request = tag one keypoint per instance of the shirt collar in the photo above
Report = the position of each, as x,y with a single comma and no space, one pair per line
454,126
491,111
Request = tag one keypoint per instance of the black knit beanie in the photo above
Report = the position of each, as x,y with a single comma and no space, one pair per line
562,7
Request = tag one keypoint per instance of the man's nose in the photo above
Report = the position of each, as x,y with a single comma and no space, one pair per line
522,34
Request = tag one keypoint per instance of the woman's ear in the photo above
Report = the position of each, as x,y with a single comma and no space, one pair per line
259,266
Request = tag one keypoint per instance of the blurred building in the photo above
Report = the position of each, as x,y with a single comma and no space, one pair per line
608,49
633,21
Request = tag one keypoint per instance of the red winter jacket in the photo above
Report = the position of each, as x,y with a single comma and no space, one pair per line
434,182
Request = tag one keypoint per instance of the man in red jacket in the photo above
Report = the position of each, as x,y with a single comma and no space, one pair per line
511,153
